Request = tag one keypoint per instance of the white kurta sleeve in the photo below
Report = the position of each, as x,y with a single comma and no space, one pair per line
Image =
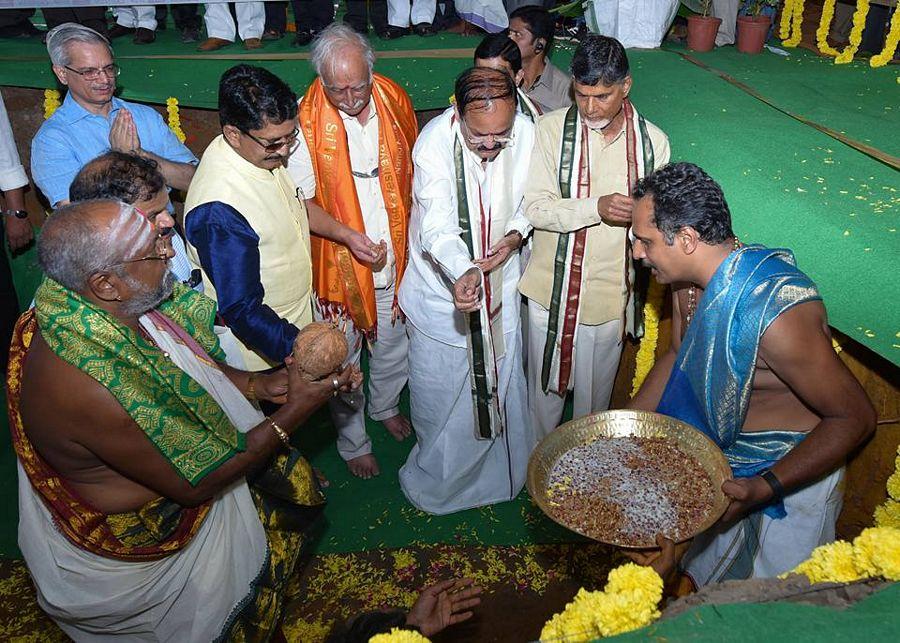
434,188
300,168
12,174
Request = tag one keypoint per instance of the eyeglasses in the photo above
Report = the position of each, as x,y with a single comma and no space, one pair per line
503,140
93,73
290,140
356,90
160,245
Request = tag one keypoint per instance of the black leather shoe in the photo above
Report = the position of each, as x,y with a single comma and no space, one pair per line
143,36
392,33
190,34
424,29
304,37
360,29
118,31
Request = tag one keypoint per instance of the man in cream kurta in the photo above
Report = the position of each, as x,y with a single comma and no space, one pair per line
576,324
460,299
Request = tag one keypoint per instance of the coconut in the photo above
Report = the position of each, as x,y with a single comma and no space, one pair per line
320,349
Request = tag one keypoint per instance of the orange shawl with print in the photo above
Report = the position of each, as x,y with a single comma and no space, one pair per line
341,282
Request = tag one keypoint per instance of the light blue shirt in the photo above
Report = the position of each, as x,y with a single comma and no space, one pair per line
73,136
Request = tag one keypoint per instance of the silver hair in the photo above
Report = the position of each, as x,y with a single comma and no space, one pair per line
73,245
332,40
59,38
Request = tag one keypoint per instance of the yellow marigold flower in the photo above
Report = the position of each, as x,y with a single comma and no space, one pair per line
397,635
637,582
618,613
831,563
877,552
893,485
888,514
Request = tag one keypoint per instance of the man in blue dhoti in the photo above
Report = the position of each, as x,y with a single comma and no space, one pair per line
752,366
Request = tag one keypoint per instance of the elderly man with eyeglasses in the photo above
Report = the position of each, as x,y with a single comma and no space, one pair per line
354,164
246,222
466,380
92,120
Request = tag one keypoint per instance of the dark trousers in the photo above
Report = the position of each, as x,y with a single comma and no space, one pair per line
359,15
14,17
9,303
309,15
93,17
185,16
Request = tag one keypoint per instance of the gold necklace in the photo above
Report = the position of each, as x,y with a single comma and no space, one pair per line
692,291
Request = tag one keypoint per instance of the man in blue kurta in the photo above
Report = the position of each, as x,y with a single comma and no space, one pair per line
91,121
751,365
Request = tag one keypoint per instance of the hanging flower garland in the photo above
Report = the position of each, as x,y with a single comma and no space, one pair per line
646,355
51,102
793,14
629,601
174,118
397,635
859,23
824,28
890,43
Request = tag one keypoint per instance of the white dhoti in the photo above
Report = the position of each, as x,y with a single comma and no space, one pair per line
251,20
388,371
190,595
136,17
762,547
449,469
596,360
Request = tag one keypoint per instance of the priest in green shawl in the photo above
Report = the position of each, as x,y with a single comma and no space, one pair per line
156,501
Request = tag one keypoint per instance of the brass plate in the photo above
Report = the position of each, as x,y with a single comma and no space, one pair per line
625,423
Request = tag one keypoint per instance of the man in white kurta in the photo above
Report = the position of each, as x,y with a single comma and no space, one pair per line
467,386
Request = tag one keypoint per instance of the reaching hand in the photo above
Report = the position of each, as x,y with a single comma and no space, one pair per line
19,233
467,291
497,255
363,248
745,494
304,397
123,136
615,209
272,386
381,249
444,604
663,560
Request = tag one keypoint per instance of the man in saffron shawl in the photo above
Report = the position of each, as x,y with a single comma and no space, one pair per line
353,167
751,365
580,285
156,502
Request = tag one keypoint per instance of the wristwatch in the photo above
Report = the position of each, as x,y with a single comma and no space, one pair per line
19,214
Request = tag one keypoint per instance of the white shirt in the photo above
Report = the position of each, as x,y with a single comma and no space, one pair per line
362,141
12,174
437,254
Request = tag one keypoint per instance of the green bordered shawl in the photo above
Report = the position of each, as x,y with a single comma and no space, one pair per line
177,414
488,418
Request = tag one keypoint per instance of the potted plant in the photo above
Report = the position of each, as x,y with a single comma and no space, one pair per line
702,28
753,26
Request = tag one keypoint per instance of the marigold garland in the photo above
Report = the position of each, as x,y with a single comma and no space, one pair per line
629,601
174,118
51,102
646,355
859,23
875,552
824,28
890,43
888,514
784,26
397,635
794,34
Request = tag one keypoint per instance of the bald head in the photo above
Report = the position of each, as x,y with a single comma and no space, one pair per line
82,239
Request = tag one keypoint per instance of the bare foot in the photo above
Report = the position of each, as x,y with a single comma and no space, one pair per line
398,426
364,466
323,481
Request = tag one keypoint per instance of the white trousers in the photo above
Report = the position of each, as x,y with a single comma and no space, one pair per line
136,17
762,547
251,19
597,352
449,469
727,10
402,14
388,372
